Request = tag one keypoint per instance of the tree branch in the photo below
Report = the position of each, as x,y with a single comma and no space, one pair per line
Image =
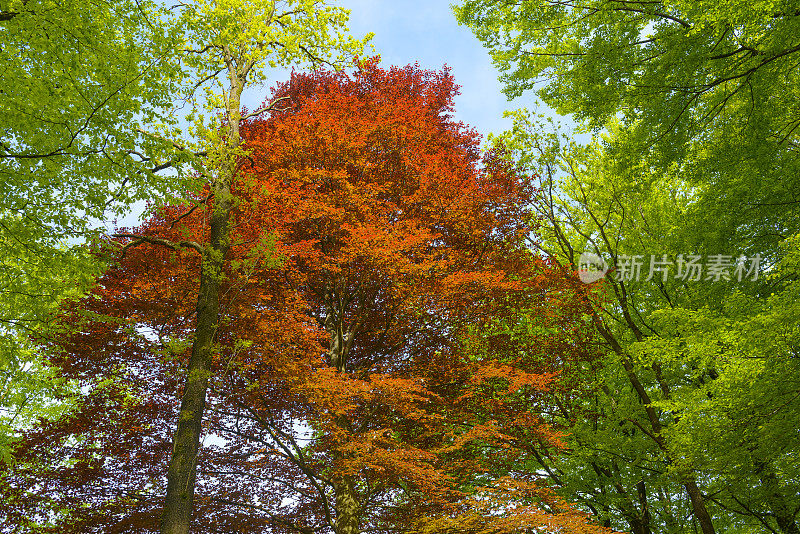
183,216
170,141
270,107
172,245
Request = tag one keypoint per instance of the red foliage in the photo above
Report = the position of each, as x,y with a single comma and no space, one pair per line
366,370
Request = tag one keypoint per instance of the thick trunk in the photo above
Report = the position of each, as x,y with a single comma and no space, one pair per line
183,465
347,509
636,525
699,507
340,341
641,492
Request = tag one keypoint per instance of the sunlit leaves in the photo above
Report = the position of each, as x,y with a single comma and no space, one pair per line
372,251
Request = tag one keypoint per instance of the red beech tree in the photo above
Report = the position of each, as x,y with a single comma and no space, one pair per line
367,374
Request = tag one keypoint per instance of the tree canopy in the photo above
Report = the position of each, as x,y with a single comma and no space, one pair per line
706,87
364,376
340,315
693,107
79,80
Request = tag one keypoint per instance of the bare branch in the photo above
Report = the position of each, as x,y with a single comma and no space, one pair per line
270,107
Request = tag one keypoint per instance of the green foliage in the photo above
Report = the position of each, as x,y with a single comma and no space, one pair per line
34,278
230,45
660,62
716,359
706,90
699,102
91,101
79,79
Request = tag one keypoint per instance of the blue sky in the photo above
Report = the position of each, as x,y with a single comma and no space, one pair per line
409,31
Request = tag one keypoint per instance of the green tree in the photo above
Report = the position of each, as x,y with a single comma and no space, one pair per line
228,46
90,107
79,82
677,67
711,88
700,99
696,409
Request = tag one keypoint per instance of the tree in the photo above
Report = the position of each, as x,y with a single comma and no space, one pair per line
237,39
681,71
690,391
707,93
364,377
111,78
79,79
699,105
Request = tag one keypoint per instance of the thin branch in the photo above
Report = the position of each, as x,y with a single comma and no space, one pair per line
204,201
8,15
170,141
270,107
680,21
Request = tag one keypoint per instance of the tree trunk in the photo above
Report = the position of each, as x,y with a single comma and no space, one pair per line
183,465
641,492
699,507
340,341
695,496
347,509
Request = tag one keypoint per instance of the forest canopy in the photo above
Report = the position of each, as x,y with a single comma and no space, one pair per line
343,312
383,329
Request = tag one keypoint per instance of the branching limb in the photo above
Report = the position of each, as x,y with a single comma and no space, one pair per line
190,211
270,107
175,144
172,245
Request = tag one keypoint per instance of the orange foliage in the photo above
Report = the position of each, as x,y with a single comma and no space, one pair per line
374,255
